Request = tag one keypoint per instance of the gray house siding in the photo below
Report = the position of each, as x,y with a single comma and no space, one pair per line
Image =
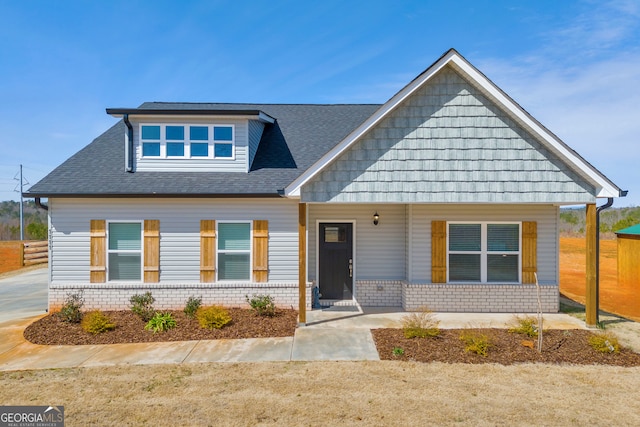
240,162
380,250
393,259
448,143
255,133
179,249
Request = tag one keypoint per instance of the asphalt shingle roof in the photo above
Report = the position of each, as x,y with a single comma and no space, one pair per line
301,135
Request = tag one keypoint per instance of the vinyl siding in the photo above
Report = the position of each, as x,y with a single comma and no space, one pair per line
240,163
255,133
448,143
179,232
546,217
379,250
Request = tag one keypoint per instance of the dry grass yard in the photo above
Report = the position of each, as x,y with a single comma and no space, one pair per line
334,393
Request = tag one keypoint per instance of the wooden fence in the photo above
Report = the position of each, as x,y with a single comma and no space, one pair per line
35,253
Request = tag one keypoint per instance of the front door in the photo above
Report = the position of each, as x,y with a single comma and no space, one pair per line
335,259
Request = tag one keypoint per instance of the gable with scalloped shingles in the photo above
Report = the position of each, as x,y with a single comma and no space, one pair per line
448,143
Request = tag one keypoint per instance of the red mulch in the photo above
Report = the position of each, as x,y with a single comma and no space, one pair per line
558,347
130,328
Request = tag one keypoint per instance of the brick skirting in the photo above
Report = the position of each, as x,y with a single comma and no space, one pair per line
473,298
106,296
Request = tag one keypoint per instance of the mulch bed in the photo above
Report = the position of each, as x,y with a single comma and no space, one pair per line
558,347
130,329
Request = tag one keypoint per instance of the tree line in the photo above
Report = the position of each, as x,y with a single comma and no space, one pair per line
35,221
573,221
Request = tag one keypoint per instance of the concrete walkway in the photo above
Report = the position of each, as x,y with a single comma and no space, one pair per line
342,333
23,293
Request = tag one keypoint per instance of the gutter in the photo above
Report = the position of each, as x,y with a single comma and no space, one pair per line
40,205
129,145
598,210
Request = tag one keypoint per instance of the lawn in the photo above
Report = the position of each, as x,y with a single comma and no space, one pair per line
333,393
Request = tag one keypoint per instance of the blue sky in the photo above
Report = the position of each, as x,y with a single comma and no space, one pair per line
574,65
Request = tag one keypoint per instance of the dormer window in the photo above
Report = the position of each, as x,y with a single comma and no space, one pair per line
187,141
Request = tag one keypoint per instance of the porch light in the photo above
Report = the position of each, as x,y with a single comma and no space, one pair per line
376,218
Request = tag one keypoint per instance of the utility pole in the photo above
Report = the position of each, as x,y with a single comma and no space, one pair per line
21,208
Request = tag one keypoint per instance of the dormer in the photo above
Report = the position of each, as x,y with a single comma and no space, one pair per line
191,139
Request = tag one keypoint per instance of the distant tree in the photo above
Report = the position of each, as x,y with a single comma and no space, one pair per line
37,231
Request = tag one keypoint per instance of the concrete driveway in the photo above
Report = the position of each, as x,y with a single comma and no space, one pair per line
23,294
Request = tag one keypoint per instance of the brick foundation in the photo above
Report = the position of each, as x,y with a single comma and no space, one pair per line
480,298
379,293
105,296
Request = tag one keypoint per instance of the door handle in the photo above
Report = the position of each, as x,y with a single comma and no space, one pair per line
350,267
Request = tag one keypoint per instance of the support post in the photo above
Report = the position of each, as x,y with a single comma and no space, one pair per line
302,264
591,294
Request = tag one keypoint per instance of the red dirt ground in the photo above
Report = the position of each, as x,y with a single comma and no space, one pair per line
613,298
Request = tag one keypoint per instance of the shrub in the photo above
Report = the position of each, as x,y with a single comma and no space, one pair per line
192,305
213,317
262,305
475,342
420,324
70,311
160,322
96,322
527,325
398,351
142,305
604,342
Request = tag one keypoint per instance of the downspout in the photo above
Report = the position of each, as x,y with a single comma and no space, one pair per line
40,205
598,210
129,144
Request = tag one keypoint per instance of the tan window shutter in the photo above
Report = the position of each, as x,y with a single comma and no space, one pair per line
98,263
260,250
151,251
207,251
438,251
529,251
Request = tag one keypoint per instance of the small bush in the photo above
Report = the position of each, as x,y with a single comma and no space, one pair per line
213,317
421,324
70,311
527,325
398,351
142,305
96,322
262,305
192,305
604,342
475,342
160,322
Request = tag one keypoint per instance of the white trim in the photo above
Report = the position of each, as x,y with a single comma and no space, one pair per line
484,252
109,251
353,250
225,221
604,188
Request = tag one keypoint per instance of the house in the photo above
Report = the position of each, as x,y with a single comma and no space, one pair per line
445,196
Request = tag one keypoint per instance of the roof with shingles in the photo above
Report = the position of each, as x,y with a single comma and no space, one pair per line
300,136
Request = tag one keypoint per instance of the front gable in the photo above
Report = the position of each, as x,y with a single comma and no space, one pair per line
448,142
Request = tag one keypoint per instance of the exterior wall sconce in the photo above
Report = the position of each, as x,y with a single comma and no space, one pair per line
376,218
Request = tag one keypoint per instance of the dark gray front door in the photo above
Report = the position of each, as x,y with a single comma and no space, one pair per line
336,260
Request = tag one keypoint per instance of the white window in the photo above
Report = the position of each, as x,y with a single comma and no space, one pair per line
234,251
124,251
484,252
187,141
